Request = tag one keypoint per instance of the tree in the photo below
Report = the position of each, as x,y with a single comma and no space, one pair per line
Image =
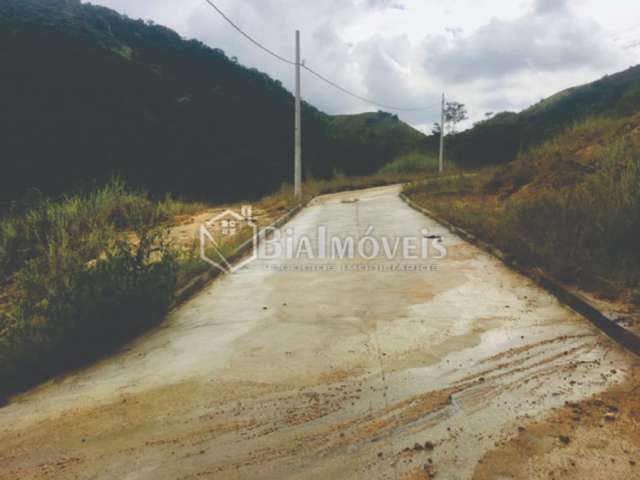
435,130
454,113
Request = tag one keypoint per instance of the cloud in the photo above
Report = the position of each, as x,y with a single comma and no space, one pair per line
550,6
536,41
384,4
378,48
272,22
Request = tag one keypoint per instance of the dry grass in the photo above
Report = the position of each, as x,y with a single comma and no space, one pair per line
571,206
75,284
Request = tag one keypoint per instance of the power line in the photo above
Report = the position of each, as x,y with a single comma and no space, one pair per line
313,72
364,99
247,36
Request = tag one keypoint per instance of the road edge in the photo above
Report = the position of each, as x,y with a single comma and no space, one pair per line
572,299
199,282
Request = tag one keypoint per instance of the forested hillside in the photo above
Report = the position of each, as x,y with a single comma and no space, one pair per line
87,93
372,135
500,139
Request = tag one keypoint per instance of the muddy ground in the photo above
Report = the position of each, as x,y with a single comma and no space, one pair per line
598,438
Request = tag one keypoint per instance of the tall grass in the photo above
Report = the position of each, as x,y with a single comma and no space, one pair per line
586,232
591,229
81,225
85,272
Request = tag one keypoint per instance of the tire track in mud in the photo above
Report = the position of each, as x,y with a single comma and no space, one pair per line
410,416
312,416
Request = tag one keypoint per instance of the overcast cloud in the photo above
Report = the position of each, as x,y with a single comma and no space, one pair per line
489,54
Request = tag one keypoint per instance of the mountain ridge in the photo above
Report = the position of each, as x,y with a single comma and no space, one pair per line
133,99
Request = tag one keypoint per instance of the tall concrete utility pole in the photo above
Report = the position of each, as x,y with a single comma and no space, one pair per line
441,169
298,127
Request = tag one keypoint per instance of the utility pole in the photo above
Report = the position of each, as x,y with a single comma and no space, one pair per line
298,126
441,169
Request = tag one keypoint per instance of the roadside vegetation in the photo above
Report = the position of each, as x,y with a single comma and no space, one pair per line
78,276
570,206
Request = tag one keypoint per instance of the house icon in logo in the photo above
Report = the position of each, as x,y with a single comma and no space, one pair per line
217,235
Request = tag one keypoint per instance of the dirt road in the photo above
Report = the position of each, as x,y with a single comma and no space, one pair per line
283,371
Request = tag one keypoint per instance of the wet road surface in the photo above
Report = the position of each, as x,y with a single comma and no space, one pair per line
305,368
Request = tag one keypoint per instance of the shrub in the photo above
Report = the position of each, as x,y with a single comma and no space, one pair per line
86,273
511,178
71,311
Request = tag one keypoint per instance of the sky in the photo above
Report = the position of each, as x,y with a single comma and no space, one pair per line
491,55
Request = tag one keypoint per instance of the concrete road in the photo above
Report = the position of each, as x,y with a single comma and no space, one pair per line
353,368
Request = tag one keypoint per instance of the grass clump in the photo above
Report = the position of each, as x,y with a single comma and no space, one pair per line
81,225
80,275
76,312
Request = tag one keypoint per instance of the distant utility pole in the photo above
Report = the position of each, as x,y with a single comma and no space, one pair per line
298,126
442,137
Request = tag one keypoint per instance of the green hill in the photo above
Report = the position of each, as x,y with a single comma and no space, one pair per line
373,135
500,139
87,93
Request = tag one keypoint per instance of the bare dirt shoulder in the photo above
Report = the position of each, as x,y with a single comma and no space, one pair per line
598,438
